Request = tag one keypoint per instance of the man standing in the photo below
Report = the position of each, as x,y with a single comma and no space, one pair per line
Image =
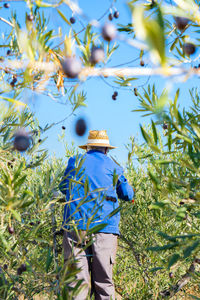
92,184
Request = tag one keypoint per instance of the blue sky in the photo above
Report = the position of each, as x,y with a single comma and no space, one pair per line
101,111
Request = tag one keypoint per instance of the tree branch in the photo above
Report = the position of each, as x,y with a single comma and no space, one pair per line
106,72
182,282
7,22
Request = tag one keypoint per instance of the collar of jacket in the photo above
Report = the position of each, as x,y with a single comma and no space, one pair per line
92,151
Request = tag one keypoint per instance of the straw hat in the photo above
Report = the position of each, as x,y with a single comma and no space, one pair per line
97,138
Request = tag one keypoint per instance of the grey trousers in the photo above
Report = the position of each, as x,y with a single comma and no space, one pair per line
96,264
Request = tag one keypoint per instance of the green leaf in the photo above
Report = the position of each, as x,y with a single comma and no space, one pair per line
166,236
165,162
185,138
173,259
154,148
18,172
63,16
16,215
114,212
20,181
80,163
151,30
13,101
96,228
26,204
86,186
155,180
40,3
76,181
4,242
169,140
154,132
188,250
49,259
165,247
156,269
157,205
115,178
145,135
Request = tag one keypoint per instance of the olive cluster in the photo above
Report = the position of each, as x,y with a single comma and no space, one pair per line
181,23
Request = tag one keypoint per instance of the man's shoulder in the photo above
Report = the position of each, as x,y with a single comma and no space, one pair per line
114,165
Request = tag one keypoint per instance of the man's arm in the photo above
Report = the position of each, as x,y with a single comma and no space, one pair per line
69,173
124,190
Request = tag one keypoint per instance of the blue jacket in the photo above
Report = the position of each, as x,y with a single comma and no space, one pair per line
92,184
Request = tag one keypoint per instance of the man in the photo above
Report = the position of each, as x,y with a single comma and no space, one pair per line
92,184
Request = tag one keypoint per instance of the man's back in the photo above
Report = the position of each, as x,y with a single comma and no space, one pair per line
92,193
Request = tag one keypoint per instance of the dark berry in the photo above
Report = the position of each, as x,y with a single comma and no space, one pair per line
152,4
135,92
71,67
12,83
181,203
14,79
8,52
6,5
171,275
72,20
185,218
63,127
5,267
21,141
19,271
32,223
97,55
39,141
23,267
189,48
115,93
181,22
11,230
108,32
80,127
165,126
114,97
142,63
110,17
116,14
30,18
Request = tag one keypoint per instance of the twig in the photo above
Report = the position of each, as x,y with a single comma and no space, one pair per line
112,72
99,19
7,22
182,282
121,72
61,121
53,223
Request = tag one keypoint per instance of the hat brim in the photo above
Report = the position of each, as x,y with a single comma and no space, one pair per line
97,145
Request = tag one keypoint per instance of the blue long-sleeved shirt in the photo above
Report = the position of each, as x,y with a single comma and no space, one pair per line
92,184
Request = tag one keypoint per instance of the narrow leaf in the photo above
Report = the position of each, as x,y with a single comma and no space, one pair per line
63,16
